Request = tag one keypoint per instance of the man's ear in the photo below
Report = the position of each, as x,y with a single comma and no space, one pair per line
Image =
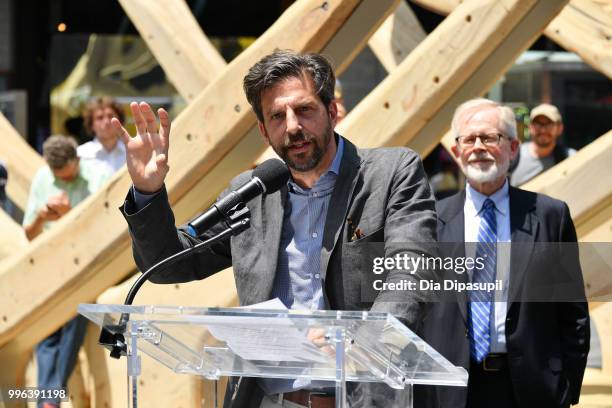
455,151
333,112
264,133
514,148
560,127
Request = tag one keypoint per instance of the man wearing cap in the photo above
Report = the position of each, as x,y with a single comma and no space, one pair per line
544,150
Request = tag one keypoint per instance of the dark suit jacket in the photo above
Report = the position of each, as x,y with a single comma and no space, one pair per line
547,341
384,192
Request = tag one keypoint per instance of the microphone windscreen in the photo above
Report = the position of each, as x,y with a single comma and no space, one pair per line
273,173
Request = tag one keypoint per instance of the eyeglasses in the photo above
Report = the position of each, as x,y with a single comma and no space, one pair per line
543,125
487,139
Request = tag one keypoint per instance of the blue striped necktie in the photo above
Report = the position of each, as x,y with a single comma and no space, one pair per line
481,301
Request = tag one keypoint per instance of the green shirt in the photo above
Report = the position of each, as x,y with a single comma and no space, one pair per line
44,185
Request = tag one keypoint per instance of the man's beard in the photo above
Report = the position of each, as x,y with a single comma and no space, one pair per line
490,174
543,141
318,150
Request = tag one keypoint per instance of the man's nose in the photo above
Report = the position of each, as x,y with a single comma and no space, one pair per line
478,145
293,123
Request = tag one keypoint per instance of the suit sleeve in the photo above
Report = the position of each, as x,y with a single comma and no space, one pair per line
574,315
155,237
410,227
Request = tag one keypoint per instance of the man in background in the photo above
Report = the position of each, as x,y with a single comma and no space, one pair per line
545,149
520,351
56,188
105,148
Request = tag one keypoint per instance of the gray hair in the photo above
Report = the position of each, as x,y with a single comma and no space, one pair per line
283,64
507,120
59,150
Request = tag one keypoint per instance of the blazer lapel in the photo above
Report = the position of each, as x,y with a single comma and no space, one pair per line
273,209
451,234
523,228
339,202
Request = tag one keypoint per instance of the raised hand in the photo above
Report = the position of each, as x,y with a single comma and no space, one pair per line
147,152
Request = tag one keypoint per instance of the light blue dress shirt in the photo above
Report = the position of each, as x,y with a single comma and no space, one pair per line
298,281
298,276
472,212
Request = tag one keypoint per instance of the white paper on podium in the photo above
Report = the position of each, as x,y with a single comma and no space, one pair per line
279,342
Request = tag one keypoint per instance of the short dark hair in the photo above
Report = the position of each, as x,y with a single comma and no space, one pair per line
101,102
59,150
282,64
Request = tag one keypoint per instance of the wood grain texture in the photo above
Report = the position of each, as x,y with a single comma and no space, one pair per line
12,238
459,60
22,163
397,37
583,26
176,40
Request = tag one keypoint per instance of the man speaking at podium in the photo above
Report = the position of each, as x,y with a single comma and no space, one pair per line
304,238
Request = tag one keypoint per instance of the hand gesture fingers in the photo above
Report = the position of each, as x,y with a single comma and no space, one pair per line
149,118
123,134
164,126
147,152
139,120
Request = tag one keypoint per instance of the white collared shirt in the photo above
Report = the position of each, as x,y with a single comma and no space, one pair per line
95,151
472,213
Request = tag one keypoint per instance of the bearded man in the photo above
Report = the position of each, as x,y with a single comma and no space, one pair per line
524,345
305,240
545,149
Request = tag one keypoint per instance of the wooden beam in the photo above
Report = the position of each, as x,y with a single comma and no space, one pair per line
583,27
22,163
596,391
175,38
578,181
12,238
460,59
438,6
602,316
397,37
590,204
566,180
203,138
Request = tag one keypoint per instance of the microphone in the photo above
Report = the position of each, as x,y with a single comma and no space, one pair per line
268,177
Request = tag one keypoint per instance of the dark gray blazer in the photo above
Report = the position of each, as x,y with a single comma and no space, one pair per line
383,192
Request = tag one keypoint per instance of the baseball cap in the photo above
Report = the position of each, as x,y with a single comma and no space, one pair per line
547,110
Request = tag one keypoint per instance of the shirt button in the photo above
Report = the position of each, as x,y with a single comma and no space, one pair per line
317,275
314,235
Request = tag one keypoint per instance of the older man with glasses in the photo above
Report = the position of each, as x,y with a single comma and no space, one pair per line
520,351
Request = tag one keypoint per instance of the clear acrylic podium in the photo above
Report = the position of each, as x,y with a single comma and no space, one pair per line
215,342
